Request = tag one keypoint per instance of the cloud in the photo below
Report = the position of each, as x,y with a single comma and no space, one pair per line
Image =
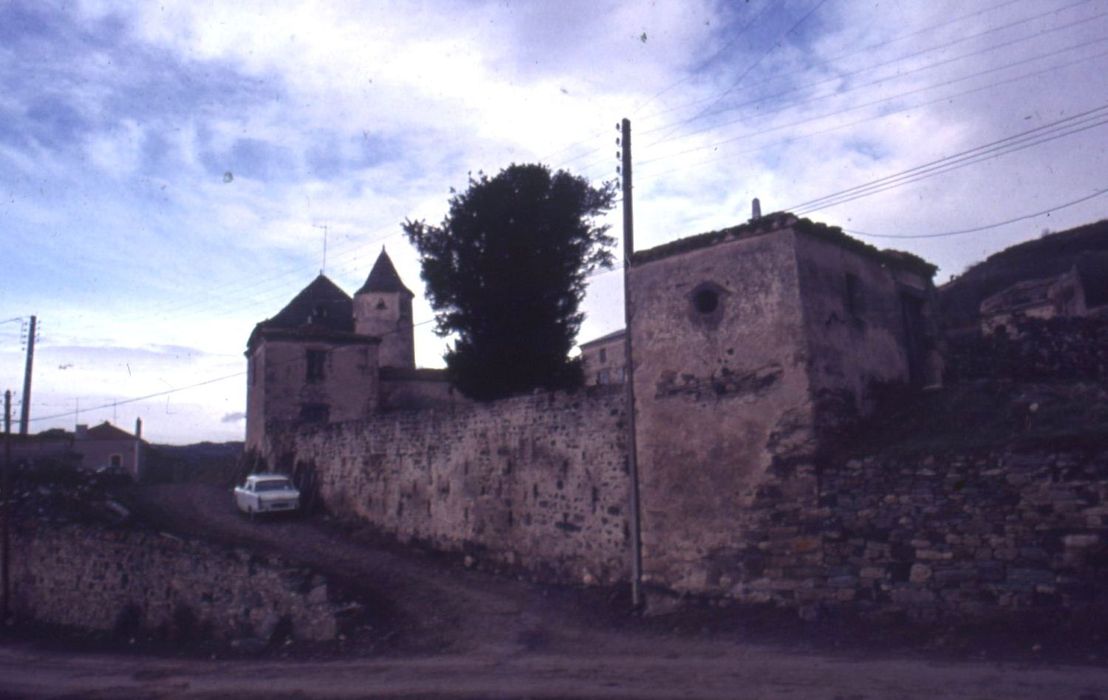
118,122
235,417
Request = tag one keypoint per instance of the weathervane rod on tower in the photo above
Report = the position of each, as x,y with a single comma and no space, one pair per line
323,266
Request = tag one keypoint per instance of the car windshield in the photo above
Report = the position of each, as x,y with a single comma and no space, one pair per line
273,485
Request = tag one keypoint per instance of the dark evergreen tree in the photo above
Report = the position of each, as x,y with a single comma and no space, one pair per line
506,273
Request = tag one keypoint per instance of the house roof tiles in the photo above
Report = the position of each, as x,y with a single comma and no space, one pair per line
107,431
322,303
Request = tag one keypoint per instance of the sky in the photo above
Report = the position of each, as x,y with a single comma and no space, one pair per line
171,173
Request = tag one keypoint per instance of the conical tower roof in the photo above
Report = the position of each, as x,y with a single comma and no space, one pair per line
383,277
322,303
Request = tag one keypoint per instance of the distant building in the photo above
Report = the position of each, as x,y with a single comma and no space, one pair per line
107,447
1080,291
602,359
92,449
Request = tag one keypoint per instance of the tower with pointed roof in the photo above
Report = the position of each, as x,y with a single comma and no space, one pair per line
383,308
329,358
308,365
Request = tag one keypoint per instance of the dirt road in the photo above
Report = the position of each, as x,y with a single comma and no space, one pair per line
438,630
685,670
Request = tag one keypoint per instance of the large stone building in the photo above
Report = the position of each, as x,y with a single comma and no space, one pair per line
751,347
330,358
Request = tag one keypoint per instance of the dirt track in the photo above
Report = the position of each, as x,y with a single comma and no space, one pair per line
438,630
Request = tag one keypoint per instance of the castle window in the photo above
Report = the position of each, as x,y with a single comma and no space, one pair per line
316,359
117,460
706,301
381,305
603,355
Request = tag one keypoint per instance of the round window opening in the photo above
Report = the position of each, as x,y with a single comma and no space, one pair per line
706,301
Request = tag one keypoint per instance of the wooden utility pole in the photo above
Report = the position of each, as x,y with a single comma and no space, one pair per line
629,365
5,522
25,409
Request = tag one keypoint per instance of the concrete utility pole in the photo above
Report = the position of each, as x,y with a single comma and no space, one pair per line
5,537
629,365
25,410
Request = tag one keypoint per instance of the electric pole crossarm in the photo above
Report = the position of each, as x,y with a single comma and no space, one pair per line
25,408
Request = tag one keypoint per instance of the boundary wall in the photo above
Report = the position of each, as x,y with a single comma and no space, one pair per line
538,482
136,582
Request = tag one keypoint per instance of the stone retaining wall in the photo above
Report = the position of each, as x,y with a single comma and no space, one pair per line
965,536
1033,349
139,582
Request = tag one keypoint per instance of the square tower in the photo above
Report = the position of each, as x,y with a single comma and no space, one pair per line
751,345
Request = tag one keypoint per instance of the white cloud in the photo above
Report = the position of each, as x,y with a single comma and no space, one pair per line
357,116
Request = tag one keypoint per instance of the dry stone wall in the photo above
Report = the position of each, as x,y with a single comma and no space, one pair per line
1072,349
537,482
959,536
133,582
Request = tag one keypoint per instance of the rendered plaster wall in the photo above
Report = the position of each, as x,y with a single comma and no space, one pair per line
724,419
855,325
99,453
537,482
603,362
388,316
279,387
135,582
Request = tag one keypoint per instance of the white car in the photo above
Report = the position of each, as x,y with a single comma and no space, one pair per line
267,493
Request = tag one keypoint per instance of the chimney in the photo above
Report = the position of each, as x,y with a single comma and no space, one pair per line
756,208
138,428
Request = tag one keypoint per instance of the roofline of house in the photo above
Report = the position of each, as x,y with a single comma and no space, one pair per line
779,221
603,339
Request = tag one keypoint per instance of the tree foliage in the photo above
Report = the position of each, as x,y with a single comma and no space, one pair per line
506,273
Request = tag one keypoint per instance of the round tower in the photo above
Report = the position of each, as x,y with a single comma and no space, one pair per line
383,308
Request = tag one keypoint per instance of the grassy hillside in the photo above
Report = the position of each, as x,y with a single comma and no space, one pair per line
1054,254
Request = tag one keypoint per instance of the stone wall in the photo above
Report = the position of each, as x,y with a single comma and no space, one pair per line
961,536
133,582
538,482
855,324
725,421
1033,349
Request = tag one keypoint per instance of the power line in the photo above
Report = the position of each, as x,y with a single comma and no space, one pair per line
874,103
869,48
751,67
175,390
976,229
1016,142
896,182
900,75
731,42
